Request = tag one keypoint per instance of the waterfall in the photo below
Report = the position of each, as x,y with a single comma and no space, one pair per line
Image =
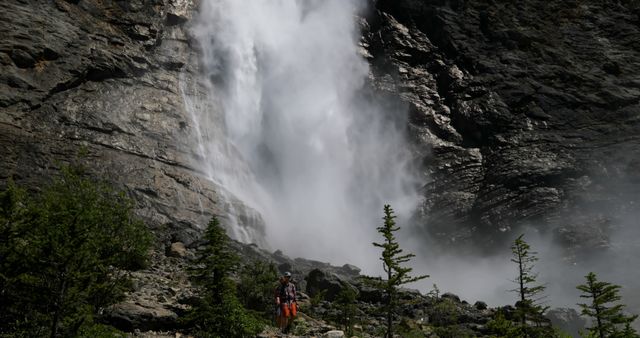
301,140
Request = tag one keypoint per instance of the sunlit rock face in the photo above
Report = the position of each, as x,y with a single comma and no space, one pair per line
100,82
518,114
531,112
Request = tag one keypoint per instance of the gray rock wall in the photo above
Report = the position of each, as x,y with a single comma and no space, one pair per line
521,113
530,111
106,79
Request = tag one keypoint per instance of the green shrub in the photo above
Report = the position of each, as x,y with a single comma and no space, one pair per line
410,329
453,331
318,298
218,312
347,308
256,288
501,327
444,312
300,327
64,254
100,331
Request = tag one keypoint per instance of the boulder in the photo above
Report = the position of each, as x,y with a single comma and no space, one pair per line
177,249
128,316
568,320
369,294
453,297
334,334
350,270
321,281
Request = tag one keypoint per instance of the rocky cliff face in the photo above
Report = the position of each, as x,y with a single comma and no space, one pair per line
521,114
103,78
530,112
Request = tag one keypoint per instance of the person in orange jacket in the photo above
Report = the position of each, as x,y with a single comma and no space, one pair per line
287,303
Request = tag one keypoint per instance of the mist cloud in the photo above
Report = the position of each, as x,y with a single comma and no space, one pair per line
291,129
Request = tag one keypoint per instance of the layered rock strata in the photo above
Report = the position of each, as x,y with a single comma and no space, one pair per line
525,114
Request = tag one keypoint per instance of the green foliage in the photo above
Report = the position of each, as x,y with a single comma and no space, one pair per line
100,331
528,307
561,334
410,329
314,304
444,312
226,319
453,331
347,308
608,319
628,331
300,327
64,254
588,334
410,333
445,316
500,327
218,312
434,293
392,262
318,298
256,288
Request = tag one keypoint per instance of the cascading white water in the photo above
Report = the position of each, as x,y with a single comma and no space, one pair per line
285,128
299,142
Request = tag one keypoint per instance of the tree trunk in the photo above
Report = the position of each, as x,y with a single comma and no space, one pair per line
58,312
598,316
522,295
389,325
389,306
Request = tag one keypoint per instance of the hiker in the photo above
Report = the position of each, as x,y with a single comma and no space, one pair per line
286,302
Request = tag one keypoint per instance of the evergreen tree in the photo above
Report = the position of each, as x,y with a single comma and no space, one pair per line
392,261
608,319
500,327
628,331
256,287
65,253
528,307
347,309
218,312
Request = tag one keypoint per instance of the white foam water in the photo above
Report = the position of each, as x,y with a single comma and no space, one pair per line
298,141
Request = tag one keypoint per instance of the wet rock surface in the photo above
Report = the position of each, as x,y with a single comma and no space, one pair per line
568,320
520,114
102,82
523,113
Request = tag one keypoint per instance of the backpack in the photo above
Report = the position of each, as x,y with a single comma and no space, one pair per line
284,296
